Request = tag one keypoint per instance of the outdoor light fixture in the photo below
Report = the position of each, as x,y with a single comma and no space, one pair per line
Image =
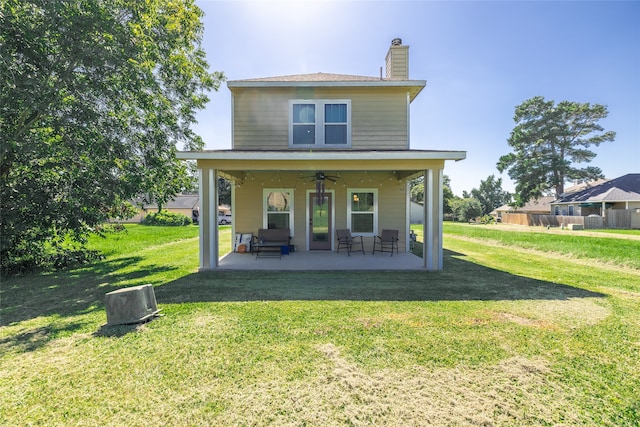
320,186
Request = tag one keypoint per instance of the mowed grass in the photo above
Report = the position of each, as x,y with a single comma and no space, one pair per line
599,246
508,334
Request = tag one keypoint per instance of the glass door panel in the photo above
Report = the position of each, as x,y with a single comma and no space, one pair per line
320,223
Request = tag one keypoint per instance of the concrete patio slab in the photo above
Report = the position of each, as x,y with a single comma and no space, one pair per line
320,260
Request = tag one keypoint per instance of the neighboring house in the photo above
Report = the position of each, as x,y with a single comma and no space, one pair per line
181,203
416,212
319,152
541,205
621,193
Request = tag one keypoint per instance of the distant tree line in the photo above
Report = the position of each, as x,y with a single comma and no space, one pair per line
549,143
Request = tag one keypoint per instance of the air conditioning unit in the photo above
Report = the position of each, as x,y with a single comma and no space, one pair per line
135,304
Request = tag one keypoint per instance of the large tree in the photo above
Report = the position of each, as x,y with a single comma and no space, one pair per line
95,97
550,141
465,209
490,194
417,191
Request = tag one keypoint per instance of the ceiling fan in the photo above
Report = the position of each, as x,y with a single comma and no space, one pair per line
320,179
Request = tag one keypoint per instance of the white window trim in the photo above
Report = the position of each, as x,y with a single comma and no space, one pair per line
320,103
350,192
265,212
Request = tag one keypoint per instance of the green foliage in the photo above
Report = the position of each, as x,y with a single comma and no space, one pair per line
122,211
547,140
490,194
417,191
466,209
487,219
55,254
224,191
94,98
166,218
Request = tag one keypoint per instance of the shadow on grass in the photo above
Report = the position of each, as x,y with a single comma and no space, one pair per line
459,281
69,292
117,331
73,293
35,338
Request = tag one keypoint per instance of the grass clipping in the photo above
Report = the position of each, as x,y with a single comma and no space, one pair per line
505,394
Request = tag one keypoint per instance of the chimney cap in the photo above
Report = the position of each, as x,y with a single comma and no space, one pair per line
396,42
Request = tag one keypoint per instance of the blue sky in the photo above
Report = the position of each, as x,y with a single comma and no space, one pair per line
480,59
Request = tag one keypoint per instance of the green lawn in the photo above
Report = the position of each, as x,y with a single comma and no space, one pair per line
523,330
600,246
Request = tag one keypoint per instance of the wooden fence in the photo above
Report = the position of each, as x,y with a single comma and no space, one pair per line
615,218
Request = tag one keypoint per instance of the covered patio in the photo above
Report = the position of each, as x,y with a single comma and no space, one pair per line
381,176
321,260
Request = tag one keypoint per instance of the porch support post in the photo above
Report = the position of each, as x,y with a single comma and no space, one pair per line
208,219
433,216
201,222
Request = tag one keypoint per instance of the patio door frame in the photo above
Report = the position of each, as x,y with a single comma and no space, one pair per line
308,218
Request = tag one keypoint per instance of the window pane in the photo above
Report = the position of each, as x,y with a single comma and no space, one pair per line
304,113
335,134
362,202
277,220
335,113
278,202
304,134
362,223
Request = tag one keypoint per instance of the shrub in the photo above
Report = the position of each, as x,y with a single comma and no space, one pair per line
466,209
487,219
166,218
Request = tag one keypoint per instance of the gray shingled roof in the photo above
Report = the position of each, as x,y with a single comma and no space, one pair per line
178,202
624,188
328,80
314,77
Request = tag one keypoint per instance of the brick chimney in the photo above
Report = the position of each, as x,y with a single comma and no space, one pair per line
397,61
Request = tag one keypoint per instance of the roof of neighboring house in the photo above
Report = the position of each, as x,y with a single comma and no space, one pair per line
622,189
328,80
541,204
185,201
582,186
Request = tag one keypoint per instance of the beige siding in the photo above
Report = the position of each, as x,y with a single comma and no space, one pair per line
378,117
260,119
397,62
392,211
248,208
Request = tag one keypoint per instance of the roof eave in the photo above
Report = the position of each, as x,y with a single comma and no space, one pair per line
320,155
415,86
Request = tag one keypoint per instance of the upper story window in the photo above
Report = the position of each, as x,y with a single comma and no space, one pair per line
319,123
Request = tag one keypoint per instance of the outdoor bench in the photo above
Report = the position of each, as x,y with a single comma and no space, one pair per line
269,242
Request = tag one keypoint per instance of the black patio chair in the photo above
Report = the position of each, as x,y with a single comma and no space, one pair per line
387,241
346,240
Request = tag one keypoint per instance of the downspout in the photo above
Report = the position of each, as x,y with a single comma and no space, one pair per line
233,138
408,120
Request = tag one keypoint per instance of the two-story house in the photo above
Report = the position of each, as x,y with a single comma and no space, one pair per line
319,152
